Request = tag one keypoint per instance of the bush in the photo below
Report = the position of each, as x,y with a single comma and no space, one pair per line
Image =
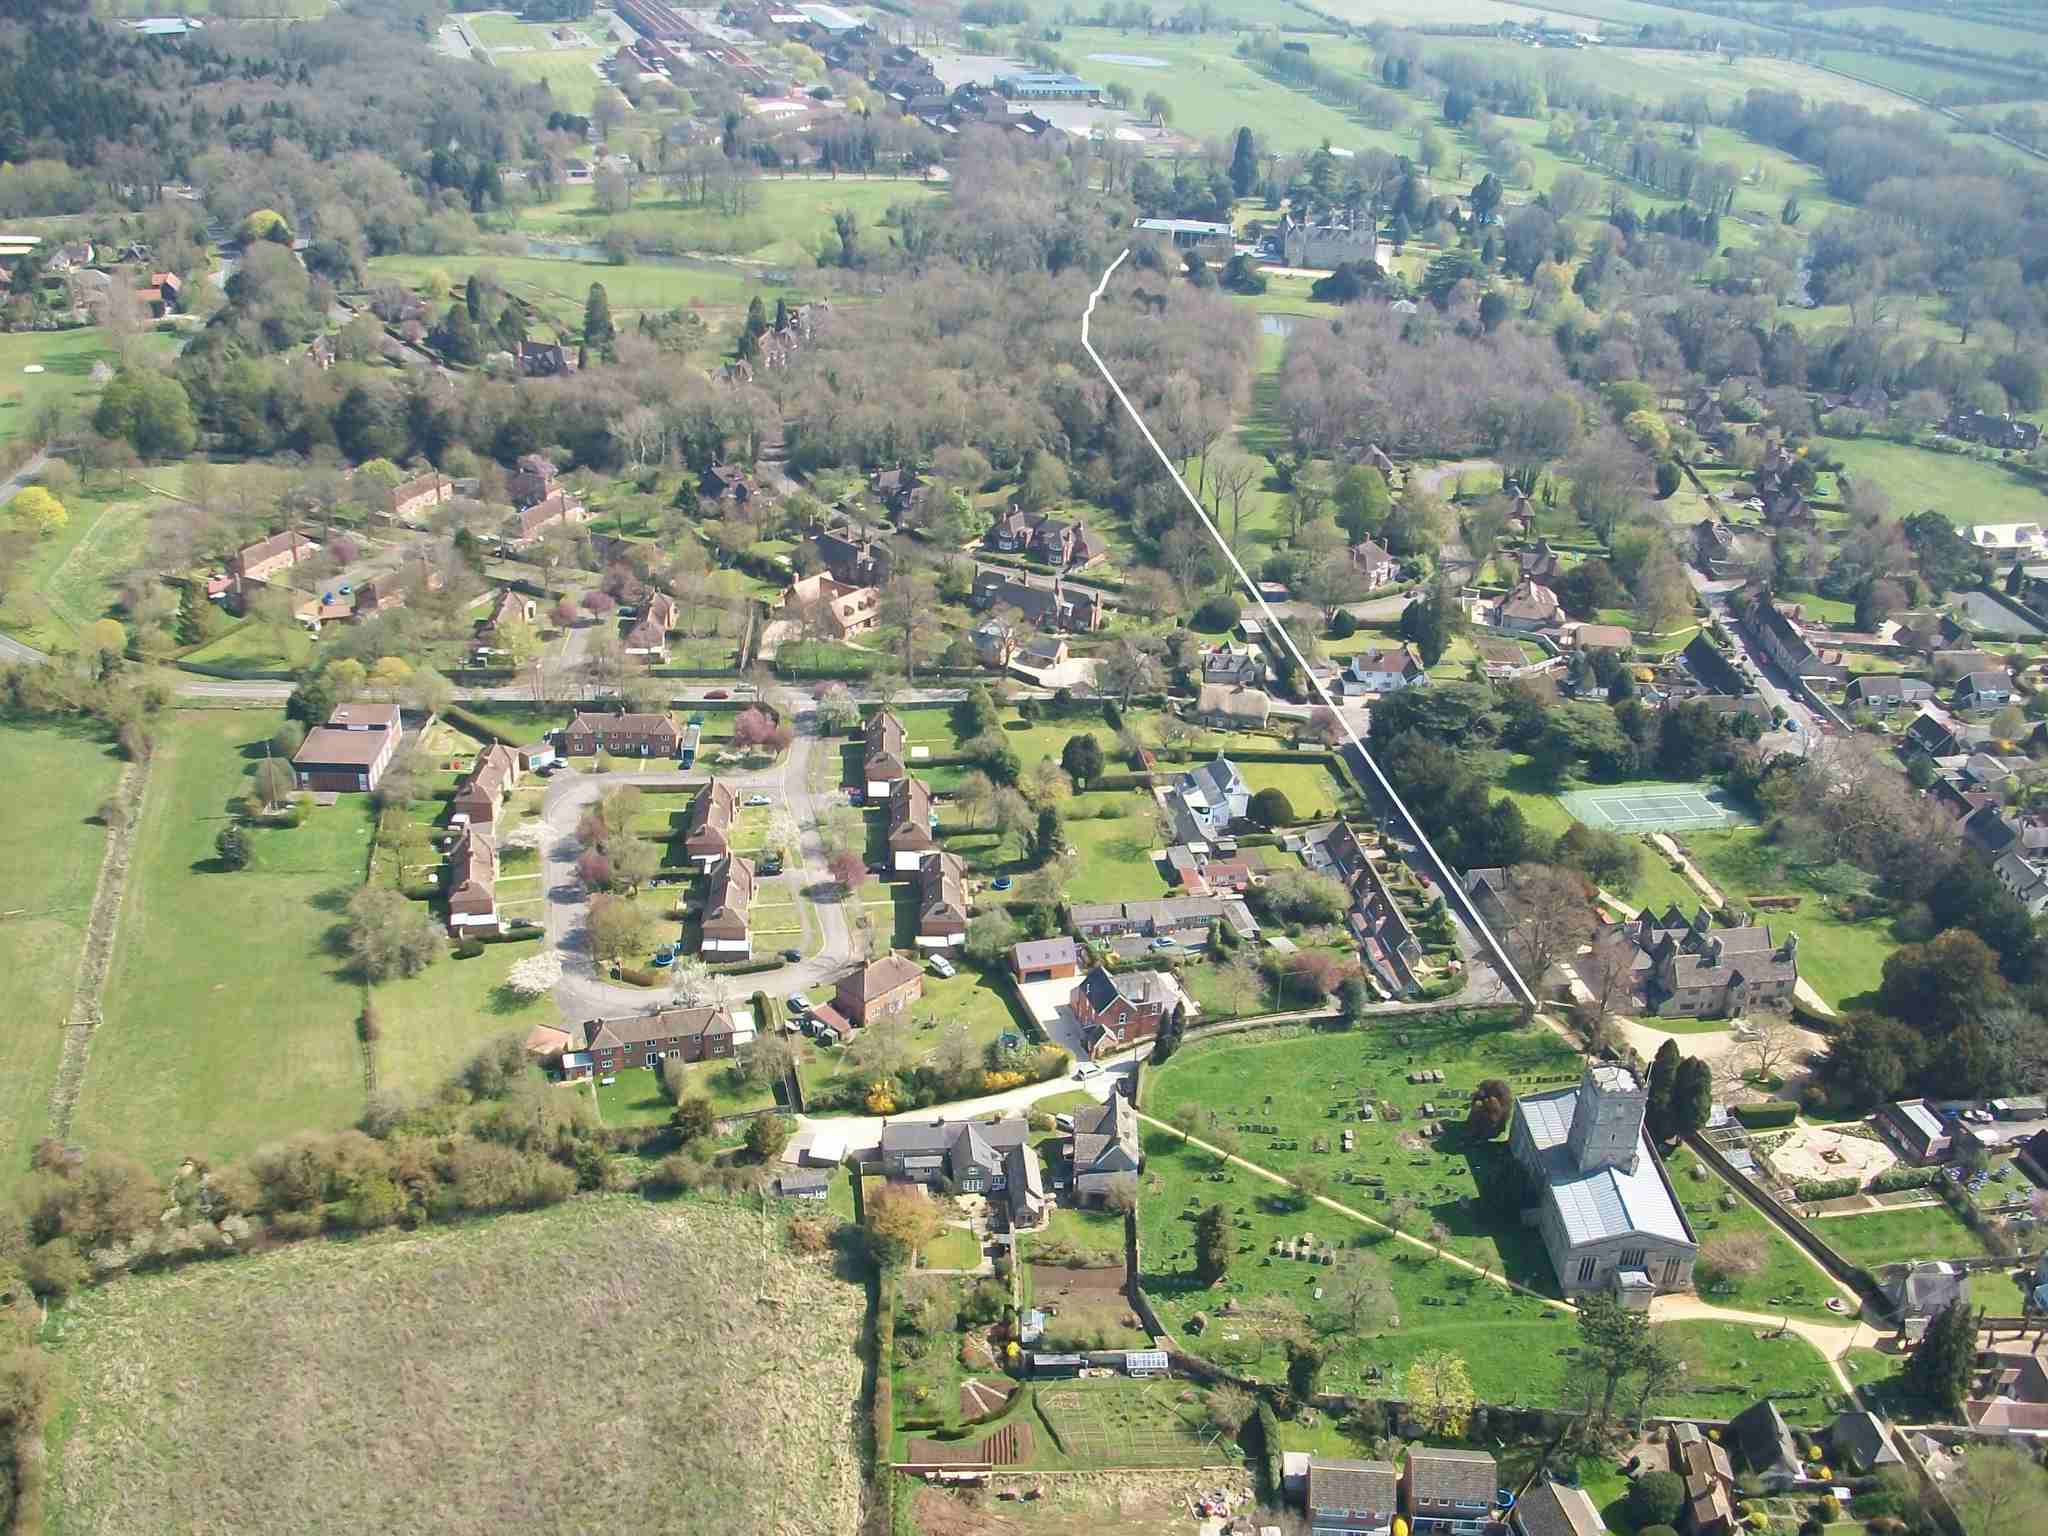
1769,1112
1219,613
1270,808
468,949
1826,1189
1655,1498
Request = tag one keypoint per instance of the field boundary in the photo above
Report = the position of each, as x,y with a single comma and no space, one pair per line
96,958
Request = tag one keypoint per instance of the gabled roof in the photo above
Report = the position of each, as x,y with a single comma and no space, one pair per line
1553,1509
910,811
1440,1476
941,888
1038,954
1764,1439
1359,1487
878,978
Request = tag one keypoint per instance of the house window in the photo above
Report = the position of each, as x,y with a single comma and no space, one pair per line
1674,1267
652,1057
1634,1258
1586,1267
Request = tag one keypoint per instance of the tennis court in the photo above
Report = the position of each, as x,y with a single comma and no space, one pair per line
1654,808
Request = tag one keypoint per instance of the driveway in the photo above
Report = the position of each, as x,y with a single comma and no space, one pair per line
582,992
859,1133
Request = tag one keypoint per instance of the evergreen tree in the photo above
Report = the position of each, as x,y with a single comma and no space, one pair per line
598,330
473,298
781,313
1244,164
1660,1111
1942,1361
1212,1245
1692,1098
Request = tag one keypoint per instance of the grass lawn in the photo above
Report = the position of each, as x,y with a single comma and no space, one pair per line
66,358
230,1022
430,1024
1079,1230
1311,788
786,222
1116,862
1789,1282
1307,1085
250,647
67,580
55,854
1894,1237
1838,958
1961,487
953,1248
570,74
559,288
416,1353
524,723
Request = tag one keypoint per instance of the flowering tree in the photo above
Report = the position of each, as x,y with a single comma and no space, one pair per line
594,870
564,613
528,834
752,728
598,603
536,975
342,549
695,986
849,869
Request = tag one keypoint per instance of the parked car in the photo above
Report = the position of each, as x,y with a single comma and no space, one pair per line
1166,941
771,864
718,693
1086,1070
792,955
798,1003
759,799
941,966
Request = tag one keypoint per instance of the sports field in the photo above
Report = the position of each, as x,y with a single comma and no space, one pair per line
1653,808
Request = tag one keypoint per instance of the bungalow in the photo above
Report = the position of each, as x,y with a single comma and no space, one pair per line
1882,695
1045,959
648,636
407,499
1448,1490
1528,606
1161,915
1375,563
472,883
622,735
972,1157
910,824
803,1184
1386,669
709,824
883,767
1120,1009
1233,708
729,893
879,989
646,1040
832,608
1103,1149
1983,690
493,776
351,751
1351,1498
941,901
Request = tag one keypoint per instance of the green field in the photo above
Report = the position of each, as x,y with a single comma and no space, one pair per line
66,358
229,1022
784,225
570,74
430,1024
1962,488
55,854
68,579
193,1398
1944,31
250,649
1896,1237
1837,957
559,288
1115,853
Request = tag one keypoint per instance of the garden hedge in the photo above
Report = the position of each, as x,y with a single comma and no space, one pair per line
1767,1113
1826,1189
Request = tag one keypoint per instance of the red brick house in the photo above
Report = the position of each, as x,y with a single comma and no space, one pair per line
710,823
884,764
1045,959
411,497
493,776
691,1034
266,557
507,606
556,509
1120,1009
726,931
880,989
941,901
351,751
472,884
622,735
910,825
648,636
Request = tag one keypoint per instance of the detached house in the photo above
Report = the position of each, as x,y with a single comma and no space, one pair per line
257,563
910,825
831,607
1883,694
730,892
1120,1009
1375,563
506,607
1056,605
727,483
1528,607
557,509
472,883
1103,1148
709,823
1351,1498
1383,670
622,735
1983,690
1233,665
1233,708
852,555
1781,640
533,476
880,989
973,1157
883,767
1206,801
1691,969
648,636
1046,539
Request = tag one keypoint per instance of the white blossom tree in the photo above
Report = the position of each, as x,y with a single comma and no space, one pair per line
536,975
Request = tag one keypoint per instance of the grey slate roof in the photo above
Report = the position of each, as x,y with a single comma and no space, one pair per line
1608,1202
1439,1476
1553,1509
1360,1487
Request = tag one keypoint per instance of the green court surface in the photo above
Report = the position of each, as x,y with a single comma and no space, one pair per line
1653,807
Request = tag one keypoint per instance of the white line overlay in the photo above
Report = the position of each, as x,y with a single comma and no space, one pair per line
1497,953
